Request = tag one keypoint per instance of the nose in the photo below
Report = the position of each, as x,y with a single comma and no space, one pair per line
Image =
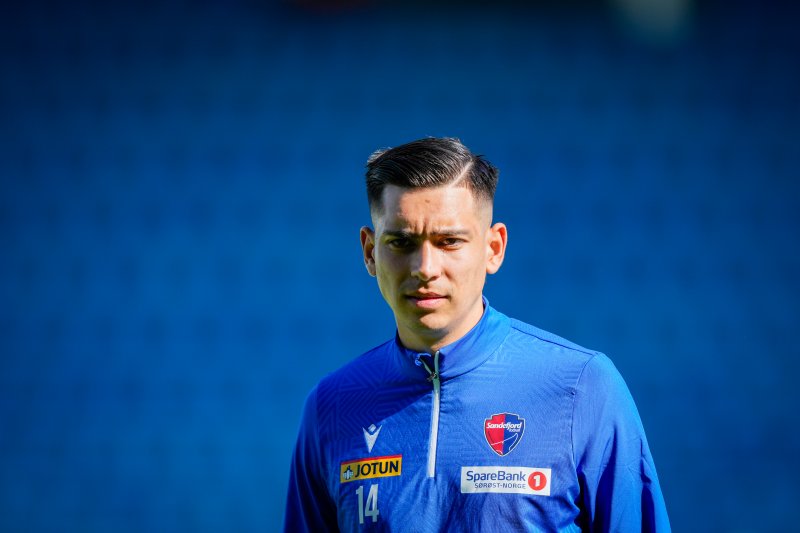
426,263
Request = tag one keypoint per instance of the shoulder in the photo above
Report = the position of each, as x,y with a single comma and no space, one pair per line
549,347
577,368
554,341
364,370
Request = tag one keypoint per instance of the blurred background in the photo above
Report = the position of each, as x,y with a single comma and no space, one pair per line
181,187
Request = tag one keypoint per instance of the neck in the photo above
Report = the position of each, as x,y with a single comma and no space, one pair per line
423,345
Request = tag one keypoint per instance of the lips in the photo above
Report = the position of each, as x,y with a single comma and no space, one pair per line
426,300
425,295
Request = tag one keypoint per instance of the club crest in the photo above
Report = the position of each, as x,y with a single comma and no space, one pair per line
503,432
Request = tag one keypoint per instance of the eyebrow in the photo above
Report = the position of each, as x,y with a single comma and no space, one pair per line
445,232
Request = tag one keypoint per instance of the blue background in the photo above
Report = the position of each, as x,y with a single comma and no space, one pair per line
181,187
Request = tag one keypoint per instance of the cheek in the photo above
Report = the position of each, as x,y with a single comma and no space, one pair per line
471,271
383,266
386,274
389,263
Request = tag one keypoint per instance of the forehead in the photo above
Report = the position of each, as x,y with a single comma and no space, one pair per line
429,208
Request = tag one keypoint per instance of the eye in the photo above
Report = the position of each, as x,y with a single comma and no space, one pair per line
451,242
400,243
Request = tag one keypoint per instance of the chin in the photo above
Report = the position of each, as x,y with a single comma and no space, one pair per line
433,322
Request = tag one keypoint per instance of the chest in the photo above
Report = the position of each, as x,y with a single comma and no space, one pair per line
475,453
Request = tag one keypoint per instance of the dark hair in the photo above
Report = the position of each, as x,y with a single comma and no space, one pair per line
429,162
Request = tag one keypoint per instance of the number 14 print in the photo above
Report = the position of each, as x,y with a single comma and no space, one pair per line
369,508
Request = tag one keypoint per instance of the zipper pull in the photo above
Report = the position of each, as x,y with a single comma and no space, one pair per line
432,374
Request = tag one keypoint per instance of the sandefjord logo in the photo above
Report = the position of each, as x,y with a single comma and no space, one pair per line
505,479
503,432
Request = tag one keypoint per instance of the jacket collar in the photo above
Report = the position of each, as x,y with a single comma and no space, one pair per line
463,355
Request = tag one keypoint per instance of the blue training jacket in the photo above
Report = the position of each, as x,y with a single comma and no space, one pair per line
510,428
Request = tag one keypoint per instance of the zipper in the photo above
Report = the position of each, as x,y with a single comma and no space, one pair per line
433,377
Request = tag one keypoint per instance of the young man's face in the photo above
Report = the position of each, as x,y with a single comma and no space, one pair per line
430,251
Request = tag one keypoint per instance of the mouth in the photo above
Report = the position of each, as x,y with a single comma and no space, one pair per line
426,300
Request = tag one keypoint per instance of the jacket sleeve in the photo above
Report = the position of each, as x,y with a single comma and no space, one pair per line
617,477
309,506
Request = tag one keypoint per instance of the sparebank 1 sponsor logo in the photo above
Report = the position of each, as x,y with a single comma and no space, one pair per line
503,432
505,479
370,467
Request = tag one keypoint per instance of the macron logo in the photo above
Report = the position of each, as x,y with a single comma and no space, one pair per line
371,435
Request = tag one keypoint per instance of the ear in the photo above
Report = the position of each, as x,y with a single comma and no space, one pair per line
368,248
496,240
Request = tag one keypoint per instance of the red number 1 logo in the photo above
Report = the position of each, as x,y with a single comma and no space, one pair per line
537,481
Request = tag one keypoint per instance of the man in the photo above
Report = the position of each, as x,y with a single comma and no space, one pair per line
466,420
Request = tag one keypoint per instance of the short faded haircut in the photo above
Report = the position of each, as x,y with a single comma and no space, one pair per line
430,162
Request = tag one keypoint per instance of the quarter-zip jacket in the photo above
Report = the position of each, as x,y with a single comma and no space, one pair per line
509,428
